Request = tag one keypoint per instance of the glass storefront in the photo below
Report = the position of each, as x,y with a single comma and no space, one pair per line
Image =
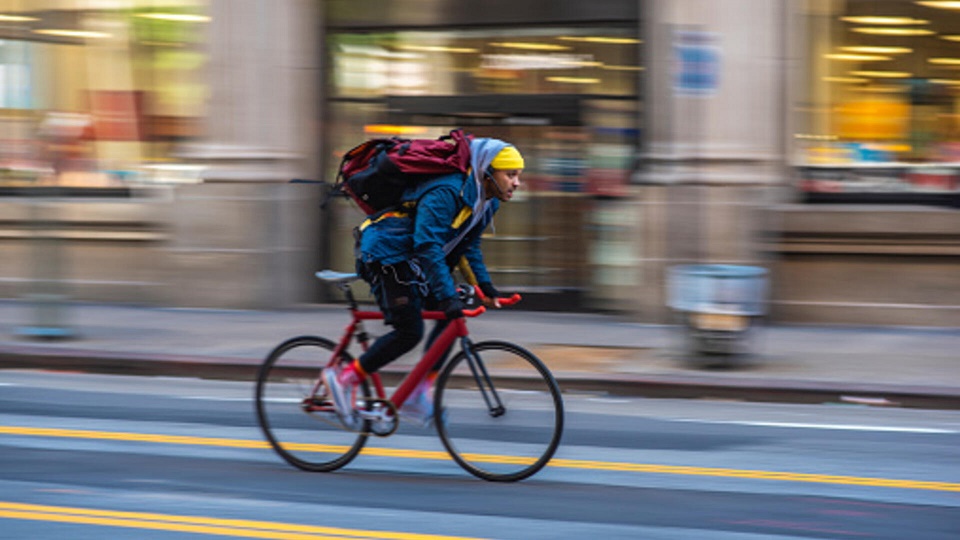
99,94
567,96
879,117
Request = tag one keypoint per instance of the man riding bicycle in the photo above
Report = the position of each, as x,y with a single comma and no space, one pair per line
407,256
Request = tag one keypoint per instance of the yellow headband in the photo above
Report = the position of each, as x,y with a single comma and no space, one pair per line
508,159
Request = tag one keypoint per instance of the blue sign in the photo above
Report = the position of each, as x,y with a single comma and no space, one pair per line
697,63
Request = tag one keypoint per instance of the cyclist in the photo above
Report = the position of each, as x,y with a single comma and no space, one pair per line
407,257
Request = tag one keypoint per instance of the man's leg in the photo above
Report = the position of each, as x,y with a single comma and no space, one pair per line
401,304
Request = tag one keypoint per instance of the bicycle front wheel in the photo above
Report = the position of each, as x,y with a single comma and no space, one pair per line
293,410
498,411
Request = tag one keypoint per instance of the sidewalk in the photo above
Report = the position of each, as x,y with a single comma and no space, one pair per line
587,352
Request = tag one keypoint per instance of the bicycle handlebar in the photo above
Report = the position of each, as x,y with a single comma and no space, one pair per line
439,315
510,300
505,301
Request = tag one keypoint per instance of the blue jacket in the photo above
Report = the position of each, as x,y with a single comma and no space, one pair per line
429,235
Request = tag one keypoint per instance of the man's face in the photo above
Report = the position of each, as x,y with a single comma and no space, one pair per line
507,180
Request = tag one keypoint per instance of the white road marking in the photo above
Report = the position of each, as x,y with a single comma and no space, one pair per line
844,427
216,398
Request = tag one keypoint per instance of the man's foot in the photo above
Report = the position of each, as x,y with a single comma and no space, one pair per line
417,409
341,394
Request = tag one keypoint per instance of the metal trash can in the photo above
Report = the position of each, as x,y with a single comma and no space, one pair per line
717,304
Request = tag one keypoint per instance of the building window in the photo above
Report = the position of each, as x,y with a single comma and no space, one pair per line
95,96
878,120
511,61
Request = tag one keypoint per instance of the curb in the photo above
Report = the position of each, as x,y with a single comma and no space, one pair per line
681,386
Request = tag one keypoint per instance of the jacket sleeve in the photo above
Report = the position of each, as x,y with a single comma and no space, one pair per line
436,211
475,256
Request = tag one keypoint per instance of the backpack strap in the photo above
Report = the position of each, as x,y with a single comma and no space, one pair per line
405,210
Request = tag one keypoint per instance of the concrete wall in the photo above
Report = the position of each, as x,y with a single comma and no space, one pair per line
715,158
242,245
94,249
867,265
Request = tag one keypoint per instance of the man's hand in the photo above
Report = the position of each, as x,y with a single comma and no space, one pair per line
452,307
491,296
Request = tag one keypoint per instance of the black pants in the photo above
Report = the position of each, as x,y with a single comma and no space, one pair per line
399,292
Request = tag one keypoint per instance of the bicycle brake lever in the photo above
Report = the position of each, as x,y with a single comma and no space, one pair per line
510,300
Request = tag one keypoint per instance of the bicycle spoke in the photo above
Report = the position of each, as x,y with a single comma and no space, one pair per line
301,426
501,411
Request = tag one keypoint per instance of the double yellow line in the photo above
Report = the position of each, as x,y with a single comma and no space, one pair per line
238,528
490,458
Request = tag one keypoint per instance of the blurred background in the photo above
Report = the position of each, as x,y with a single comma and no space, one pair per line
147,146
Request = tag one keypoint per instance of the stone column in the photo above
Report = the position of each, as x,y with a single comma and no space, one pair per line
714,117
245,237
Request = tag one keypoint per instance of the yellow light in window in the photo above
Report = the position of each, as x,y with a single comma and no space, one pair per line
438,48
178,17
951,38
530,46
623,68
851,80
17,18
944,61
600,39
884,20
876,50
893,31
857,57
947,82
883,89
573,80
71,33
386,129
941,4
883,74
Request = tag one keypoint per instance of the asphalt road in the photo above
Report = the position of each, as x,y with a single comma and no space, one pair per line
97,456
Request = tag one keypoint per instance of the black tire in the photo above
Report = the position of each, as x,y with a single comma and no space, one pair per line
507,445
309,440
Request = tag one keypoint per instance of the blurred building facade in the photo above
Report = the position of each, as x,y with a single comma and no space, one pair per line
148,145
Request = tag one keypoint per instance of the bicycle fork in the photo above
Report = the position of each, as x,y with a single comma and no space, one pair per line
482,378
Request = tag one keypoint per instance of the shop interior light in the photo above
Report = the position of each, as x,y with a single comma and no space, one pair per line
951,37
16,18
884,89
530,46
879,31
884,20
866,49
601,39
178,17
944,61
940,4
438,48
850,80
622,68
857,57
946,82
71,33
573,80
883,74
387,129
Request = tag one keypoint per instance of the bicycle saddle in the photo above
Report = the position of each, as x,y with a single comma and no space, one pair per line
331,276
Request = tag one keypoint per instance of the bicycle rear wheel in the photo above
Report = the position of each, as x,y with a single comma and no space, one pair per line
499,411
301,425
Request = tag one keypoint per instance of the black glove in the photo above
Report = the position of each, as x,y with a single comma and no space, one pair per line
489,290
452,307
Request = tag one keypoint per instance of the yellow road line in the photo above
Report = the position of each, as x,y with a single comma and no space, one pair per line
201,525
492,458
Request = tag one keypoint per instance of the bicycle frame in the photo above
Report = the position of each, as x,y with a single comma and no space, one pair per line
456,329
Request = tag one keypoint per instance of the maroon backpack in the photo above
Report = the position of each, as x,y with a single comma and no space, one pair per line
377,172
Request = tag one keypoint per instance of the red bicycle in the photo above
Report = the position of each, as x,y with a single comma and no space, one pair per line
499,410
